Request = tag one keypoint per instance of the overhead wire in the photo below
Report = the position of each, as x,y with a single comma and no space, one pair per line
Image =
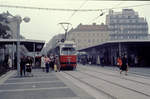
62,9
84,2
102,13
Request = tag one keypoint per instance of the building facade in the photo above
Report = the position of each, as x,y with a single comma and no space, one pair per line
52,43
126,25
88,35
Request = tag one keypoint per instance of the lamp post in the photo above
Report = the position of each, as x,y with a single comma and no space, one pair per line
18,19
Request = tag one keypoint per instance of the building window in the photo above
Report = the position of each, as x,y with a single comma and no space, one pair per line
129,17
93,40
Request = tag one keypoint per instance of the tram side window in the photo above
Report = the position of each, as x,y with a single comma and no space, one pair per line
67,51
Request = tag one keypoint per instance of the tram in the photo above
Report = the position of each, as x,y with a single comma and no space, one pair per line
67,54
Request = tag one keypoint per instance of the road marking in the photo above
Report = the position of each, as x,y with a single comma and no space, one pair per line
33,89
31,82
6,76
33,86
31,77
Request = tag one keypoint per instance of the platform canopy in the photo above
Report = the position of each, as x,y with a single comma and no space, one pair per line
31,45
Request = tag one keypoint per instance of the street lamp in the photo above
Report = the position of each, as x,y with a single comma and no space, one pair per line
18,19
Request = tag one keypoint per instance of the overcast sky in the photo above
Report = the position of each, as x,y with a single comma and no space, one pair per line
44,24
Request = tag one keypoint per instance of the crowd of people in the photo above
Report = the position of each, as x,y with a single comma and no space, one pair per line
50,63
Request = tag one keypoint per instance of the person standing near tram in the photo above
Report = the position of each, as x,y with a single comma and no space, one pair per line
57,63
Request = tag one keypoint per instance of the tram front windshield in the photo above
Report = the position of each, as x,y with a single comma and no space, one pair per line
68,51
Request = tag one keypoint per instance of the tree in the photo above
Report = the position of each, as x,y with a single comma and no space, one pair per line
4,29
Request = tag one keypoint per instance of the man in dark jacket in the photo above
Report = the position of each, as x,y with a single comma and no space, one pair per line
124,66
22,65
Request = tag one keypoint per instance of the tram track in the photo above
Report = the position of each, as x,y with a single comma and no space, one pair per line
97,89
135,74
111,82
148,84
131,90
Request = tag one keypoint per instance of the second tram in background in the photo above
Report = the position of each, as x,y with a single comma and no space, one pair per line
67,54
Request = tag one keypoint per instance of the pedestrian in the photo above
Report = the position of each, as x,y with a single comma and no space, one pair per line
5,63
57,63
29,61
29,66
136,61
22,66
47,63
119,62
52,61
43,63
125,65
10,62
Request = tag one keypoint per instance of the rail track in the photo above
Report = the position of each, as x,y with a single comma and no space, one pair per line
90,75
124,78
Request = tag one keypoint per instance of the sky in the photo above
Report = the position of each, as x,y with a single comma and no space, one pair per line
44,24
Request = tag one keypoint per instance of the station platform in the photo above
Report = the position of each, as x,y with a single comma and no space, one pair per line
41,86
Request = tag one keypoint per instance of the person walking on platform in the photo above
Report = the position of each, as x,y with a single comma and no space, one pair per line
119,62
29,62
22,66
57,63
10,63
125,64
47,63
52,61
43,63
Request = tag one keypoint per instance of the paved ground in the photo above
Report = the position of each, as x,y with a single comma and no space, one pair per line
41,86
144,71
87,82
113,84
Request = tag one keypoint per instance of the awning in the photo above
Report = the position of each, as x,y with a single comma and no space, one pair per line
31,45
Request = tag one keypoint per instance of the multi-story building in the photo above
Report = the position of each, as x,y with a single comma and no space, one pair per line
126,25
88,35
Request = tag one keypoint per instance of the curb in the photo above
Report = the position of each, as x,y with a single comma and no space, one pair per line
4,77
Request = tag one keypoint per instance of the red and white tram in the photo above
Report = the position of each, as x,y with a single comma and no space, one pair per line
67,54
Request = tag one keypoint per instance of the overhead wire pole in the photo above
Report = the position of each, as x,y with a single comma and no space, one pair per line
65,26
